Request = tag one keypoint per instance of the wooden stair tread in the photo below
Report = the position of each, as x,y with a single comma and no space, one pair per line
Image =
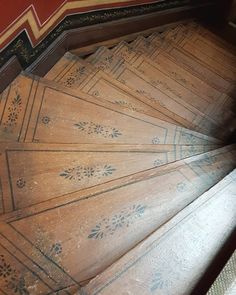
193,65
50,113
158,90
177,72
155,266
214,48
74,72
209,105
182,37
72,168
85,225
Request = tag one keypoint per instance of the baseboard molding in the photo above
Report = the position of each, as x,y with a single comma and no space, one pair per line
92,34
9,71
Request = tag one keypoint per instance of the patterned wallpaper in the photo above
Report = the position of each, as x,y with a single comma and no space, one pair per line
28,27
38,17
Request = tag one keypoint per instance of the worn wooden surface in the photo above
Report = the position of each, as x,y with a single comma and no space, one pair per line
172,51
26,180
212,56
76,73
159,91
112,166
197,234
78,240
37,110
200,98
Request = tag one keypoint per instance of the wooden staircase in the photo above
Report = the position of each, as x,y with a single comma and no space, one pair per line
116,173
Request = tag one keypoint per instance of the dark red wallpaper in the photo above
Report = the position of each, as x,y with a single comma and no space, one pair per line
38,17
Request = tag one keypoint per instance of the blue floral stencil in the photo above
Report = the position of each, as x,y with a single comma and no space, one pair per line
56,249
160,283
165,274
102,130
207,160
156,140
75,76
159,162
13,280
13,113
191,150
166,87
154,99
128,105
181,187
79,173
189,138
108,226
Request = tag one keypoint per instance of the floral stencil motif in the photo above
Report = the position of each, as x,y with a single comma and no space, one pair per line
96,93
108,226
48,244
156,140
55,250
75,76
127,104
20,183
13,113
13,280
5,268
102,130
105,63
181,187
146,43
158,162
179,78
189,151
46,120
81,172
166,86
208,160
190,138
158,282
124,52
151,97
165,274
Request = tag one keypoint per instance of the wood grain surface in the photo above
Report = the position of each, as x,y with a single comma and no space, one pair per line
37,110
75,241
26,180
173,258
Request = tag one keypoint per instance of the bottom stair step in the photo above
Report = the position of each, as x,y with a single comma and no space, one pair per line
173,259
71,242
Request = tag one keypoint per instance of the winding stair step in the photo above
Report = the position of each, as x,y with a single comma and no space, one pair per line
74,72
160,91
73,168
192,64
222,65
206,102
50,113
